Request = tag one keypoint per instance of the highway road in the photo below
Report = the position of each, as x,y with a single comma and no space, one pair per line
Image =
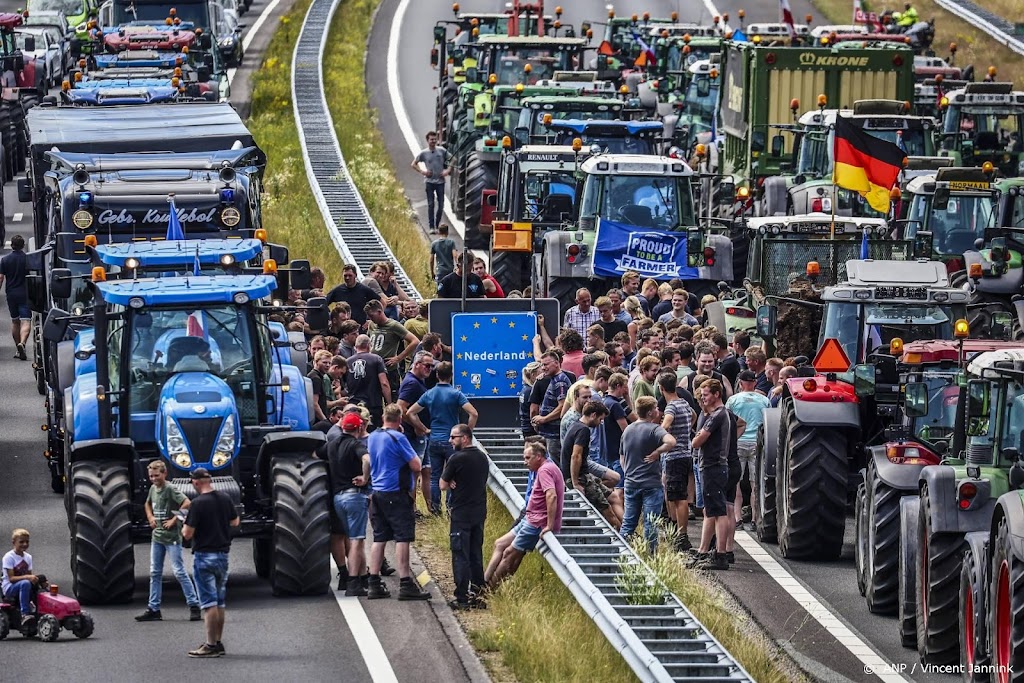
318,638
813,609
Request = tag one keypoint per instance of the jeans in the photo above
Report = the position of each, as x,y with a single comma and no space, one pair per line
467,541
156,574
438,452
435,197
211,570
21,591
647,502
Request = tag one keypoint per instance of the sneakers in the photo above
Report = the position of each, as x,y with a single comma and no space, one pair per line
207,651
460,605
696,558
386,569
683,544
377,590
194,613
150,615
746,514
20,355
409,589
730,557
712,561
354,589
220,648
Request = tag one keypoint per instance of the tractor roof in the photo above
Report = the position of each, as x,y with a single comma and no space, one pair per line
948,350
869,116
195,161
957,178
530,41
635,164
994,361
817,223
693,30
185,291
180,252
827,29
555,101
598,126
919,273
986,94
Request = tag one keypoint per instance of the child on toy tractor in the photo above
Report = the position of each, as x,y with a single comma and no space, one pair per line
19,583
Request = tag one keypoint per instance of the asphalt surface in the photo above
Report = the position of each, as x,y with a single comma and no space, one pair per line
788,622
266,638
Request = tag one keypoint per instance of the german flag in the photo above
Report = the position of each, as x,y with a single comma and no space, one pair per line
865,164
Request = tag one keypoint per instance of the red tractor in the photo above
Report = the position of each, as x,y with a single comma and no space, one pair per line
19,90
53,613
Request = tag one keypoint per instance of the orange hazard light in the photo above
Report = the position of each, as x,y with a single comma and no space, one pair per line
831,357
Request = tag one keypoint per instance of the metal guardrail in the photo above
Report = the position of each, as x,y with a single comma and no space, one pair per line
660,641
996,26
349,224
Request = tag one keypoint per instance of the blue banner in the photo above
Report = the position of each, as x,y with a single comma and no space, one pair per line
490,351
660,254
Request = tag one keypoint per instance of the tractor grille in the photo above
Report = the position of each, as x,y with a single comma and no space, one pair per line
782,258
201,435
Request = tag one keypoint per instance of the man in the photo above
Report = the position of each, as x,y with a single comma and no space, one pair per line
367,380
908,18
321,363
451,286
663,305
492,289
348,332
543,514
727,363
442,255
382,281
757,362
644,384
386,337
712,444
210,518
546,421
393,466
571,345
349,469
334,383
616,357
444,403
740,344
678,421
586,473
610,324
465,477
616,297
13,270
412,388
355,294
785,373
582,315
437,165
643,444
631,287
748,404
707,358
333,423
416,318
679,300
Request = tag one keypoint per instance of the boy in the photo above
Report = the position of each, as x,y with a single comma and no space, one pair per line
18,579
161,504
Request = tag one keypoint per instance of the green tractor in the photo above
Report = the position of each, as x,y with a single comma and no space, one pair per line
984,122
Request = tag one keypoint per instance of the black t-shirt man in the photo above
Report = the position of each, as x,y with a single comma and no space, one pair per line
356,296
317,378
578,434
612,328
730,367
14,267
211,514
345,461
715,451
617,410
363,379
450,287
468,468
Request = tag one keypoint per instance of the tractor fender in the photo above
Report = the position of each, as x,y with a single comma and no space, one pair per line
65,365
298,358
946,515
772,422
1008,283
722,270
553,252
776,197
86,423
977,541
1011,507
121,450
901,477
284,445
821,414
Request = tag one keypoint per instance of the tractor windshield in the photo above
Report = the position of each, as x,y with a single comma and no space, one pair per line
197,13
70,8
863,328
989,126
609,144
509,64
955,227
943,396
679,61
548,196
1013,212
701,99
1012,428
813,156
645,201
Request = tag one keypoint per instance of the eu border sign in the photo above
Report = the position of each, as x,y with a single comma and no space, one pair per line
490,351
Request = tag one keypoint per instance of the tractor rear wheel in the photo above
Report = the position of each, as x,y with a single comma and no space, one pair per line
262,550
860,538
1007,610
906,599
811,480
940,556
882,529
973,616
301,559
511,270
103,560
762,496
480,176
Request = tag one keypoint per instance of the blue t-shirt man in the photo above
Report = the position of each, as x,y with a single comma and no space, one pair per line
390,454
748,405
557,391
410,391
444,403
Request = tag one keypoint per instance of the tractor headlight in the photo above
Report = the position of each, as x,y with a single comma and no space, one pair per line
182,460
226,442
176,446
221,458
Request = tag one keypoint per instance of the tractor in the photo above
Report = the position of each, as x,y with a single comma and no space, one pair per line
190,371
983,122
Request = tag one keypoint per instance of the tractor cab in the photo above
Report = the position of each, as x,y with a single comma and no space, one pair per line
995,411
538,113
695,115
624,40
525,60
984,122
928,94
609,137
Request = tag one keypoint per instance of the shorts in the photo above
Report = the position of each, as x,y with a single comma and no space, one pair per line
677,478
714,480
747,453
617,468
526,536
595,491
210,571
18,309
393,517
735,473
352,508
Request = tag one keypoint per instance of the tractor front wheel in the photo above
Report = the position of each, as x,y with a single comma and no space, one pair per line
762,498
85,626
973,638
939,558
882,529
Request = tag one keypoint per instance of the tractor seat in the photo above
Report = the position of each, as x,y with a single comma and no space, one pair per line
181,347
635,214
555,206
987,140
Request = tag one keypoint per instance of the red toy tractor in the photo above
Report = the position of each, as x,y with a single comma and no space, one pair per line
53,613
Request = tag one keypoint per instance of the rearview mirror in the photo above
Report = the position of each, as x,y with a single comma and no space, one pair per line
30,43
278,252
864,380
472,75
24,190
941,199
299,274
522,136
317,315
766,317
915,403
703,87
977,398
55,326
778,145
60,283
440,34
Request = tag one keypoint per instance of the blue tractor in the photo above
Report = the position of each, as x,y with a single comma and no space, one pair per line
191,371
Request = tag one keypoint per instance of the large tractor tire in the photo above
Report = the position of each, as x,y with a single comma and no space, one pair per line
8,138
762,497
20,120
810,480
860,538
1006,591
906,616
883,542
262,552
301,559
511,270
480,176
103,559
973,618
939,558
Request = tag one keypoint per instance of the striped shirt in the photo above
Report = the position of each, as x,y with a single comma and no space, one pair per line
578,320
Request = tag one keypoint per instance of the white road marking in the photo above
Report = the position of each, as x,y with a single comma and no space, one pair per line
251,33
366,638
16,218
873,662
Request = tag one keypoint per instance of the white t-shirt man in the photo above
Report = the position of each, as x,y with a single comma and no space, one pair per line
20,564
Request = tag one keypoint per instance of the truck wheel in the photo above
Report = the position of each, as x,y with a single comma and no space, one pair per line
511,270
973,613
810,484
480,176
301,559
103,560
907,613
860,542
763,496
1007,611
262,550
48,628
85,626
882,514
940,556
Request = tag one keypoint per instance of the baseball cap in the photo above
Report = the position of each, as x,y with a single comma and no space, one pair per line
200,473
351,421
747,376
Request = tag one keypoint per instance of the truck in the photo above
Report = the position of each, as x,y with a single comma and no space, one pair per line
190,371
762,91
983,122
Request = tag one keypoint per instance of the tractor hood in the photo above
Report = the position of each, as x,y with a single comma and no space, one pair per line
197,420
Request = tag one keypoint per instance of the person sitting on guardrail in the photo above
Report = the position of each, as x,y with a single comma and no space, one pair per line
586,474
